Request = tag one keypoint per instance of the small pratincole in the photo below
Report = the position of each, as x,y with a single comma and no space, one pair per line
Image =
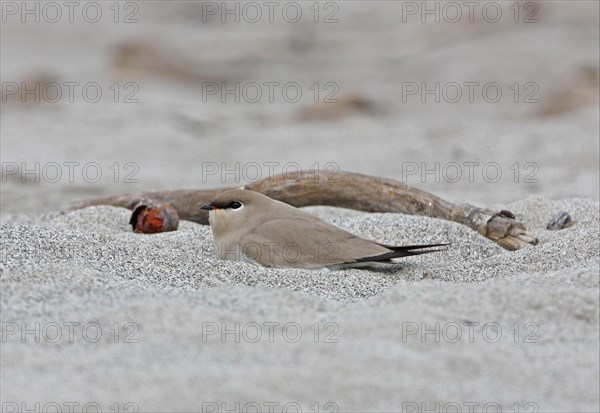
251,227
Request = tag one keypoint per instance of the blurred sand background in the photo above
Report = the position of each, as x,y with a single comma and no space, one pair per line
370,53
87,267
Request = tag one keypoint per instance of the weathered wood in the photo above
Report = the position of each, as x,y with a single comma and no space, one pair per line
187,202
347,190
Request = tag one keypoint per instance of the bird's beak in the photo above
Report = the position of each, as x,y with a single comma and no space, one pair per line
207,207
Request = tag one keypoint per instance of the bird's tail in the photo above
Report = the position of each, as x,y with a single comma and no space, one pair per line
403,251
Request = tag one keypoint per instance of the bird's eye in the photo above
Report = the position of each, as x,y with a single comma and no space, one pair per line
235,205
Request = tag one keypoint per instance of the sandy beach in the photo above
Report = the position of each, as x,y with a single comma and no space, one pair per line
98,318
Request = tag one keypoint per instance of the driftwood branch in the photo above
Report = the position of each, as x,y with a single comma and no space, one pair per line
347,190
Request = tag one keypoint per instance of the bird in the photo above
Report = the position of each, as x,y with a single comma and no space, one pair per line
251,227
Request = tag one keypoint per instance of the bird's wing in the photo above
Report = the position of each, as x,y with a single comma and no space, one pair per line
311,243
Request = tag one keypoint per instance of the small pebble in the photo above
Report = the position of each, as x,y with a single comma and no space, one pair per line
560,220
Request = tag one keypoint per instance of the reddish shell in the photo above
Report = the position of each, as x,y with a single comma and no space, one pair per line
150,217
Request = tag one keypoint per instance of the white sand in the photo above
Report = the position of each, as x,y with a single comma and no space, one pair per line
87,267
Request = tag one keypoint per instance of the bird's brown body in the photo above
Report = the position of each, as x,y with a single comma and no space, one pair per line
248,226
